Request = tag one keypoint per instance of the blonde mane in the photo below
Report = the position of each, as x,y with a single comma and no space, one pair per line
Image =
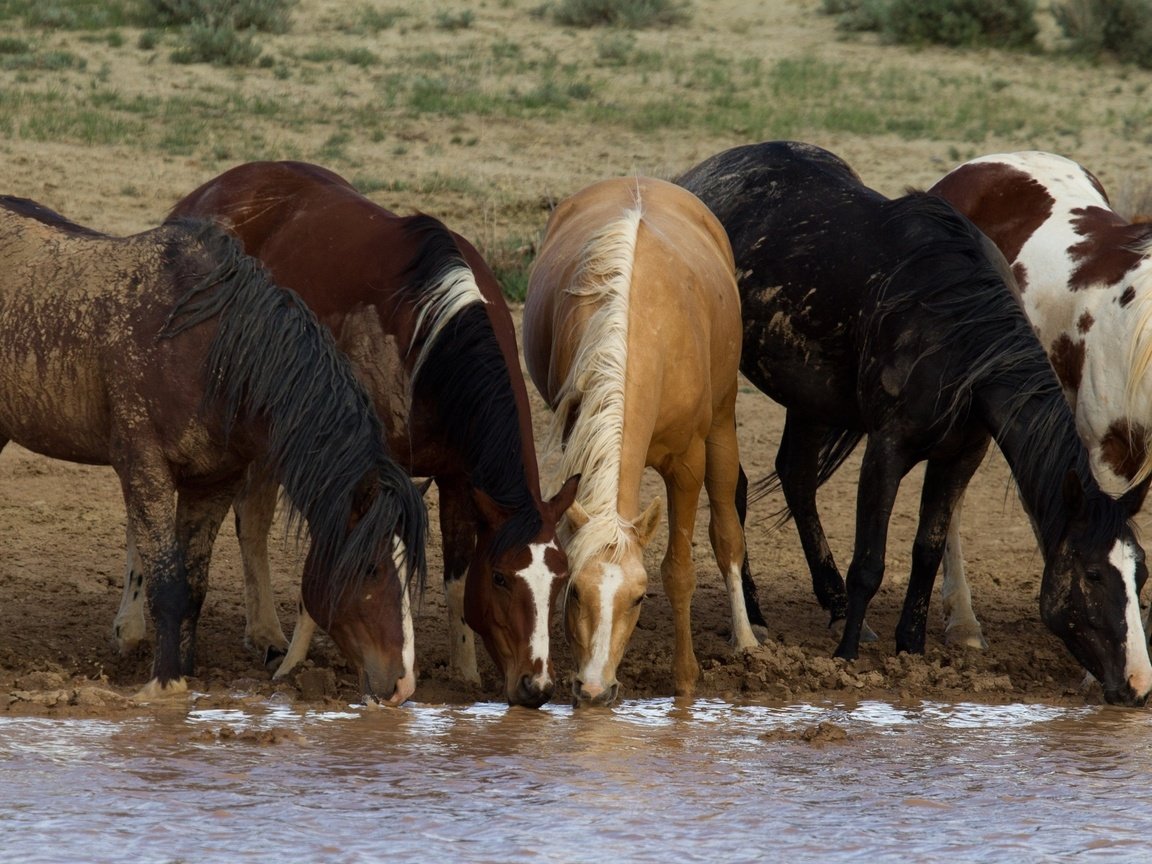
1140,360
591,399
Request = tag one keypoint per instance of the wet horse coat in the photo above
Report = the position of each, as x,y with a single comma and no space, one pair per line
172,357
632,335
422,318
890,319
1085,279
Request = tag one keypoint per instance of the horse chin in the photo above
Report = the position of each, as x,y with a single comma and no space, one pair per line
1124,695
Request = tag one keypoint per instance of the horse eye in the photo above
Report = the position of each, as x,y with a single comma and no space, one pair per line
1094,575
638,600
499,579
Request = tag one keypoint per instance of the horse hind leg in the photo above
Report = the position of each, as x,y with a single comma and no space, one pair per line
723,477
255,508
130,627
961,628
747,583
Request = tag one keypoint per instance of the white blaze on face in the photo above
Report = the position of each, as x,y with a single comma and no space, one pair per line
539,579
600,650
1137,668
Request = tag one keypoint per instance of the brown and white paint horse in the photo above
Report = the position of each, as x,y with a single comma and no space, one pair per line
632,335
1085,280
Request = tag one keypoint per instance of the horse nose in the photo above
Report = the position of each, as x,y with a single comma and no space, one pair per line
531,693
1141,687
387,686
584,693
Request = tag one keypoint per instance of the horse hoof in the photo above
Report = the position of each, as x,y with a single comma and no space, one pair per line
154,690
956,637
274,657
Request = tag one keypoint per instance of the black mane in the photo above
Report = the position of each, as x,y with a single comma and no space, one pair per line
465,375
272,361
946,284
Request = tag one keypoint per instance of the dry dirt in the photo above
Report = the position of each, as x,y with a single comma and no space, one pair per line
62,524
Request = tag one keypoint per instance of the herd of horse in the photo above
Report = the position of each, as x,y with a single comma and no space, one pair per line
282,331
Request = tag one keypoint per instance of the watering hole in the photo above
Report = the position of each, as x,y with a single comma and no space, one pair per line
651,780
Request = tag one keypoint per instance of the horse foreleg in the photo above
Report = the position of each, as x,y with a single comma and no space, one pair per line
676,571
722,479
255,508
199,514
944,485
129,627
458,535
880,474
149,499
302,633
960,625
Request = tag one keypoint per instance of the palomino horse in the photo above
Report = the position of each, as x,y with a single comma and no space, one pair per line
891,319
632,335
1085,277
422,319
172,357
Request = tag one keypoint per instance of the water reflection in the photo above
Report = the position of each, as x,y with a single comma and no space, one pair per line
654,780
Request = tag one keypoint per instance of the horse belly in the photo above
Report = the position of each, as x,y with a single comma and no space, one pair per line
55,410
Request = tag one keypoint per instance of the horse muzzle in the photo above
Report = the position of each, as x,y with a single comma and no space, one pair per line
387,689
529,692
591,696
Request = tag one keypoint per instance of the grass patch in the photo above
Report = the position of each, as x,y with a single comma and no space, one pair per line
633,14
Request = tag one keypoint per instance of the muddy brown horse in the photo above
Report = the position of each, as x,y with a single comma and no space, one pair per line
171,356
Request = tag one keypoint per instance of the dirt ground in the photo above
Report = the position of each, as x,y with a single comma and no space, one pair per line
62,525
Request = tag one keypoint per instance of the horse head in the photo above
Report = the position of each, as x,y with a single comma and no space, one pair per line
1090,594
602,605
509,596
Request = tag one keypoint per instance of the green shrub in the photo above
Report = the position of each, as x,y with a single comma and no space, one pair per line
267,16
219,45
634,14
1000,23
1122,27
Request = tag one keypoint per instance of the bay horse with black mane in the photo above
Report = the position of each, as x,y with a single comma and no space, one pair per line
894,319
171,356
632,335
422,318
1085,279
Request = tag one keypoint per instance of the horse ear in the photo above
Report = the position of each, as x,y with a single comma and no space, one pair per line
562,500
648,522
491,512
1073,492
1133,499
577,516
423,486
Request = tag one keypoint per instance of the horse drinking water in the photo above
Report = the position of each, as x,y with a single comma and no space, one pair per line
1085,278
888,318
172,357
632,335
422,318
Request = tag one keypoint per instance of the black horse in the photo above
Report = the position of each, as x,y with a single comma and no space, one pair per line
895,320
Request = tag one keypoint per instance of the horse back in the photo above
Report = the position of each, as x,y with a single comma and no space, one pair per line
678,329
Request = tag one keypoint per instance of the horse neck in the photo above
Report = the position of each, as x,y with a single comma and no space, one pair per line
1035,431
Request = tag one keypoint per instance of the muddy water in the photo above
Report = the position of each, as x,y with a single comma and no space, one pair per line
649,781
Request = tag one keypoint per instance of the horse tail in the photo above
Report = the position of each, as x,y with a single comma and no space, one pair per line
272,362
837,447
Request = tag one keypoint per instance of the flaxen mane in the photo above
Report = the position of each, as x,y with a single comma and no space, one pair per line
588,423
